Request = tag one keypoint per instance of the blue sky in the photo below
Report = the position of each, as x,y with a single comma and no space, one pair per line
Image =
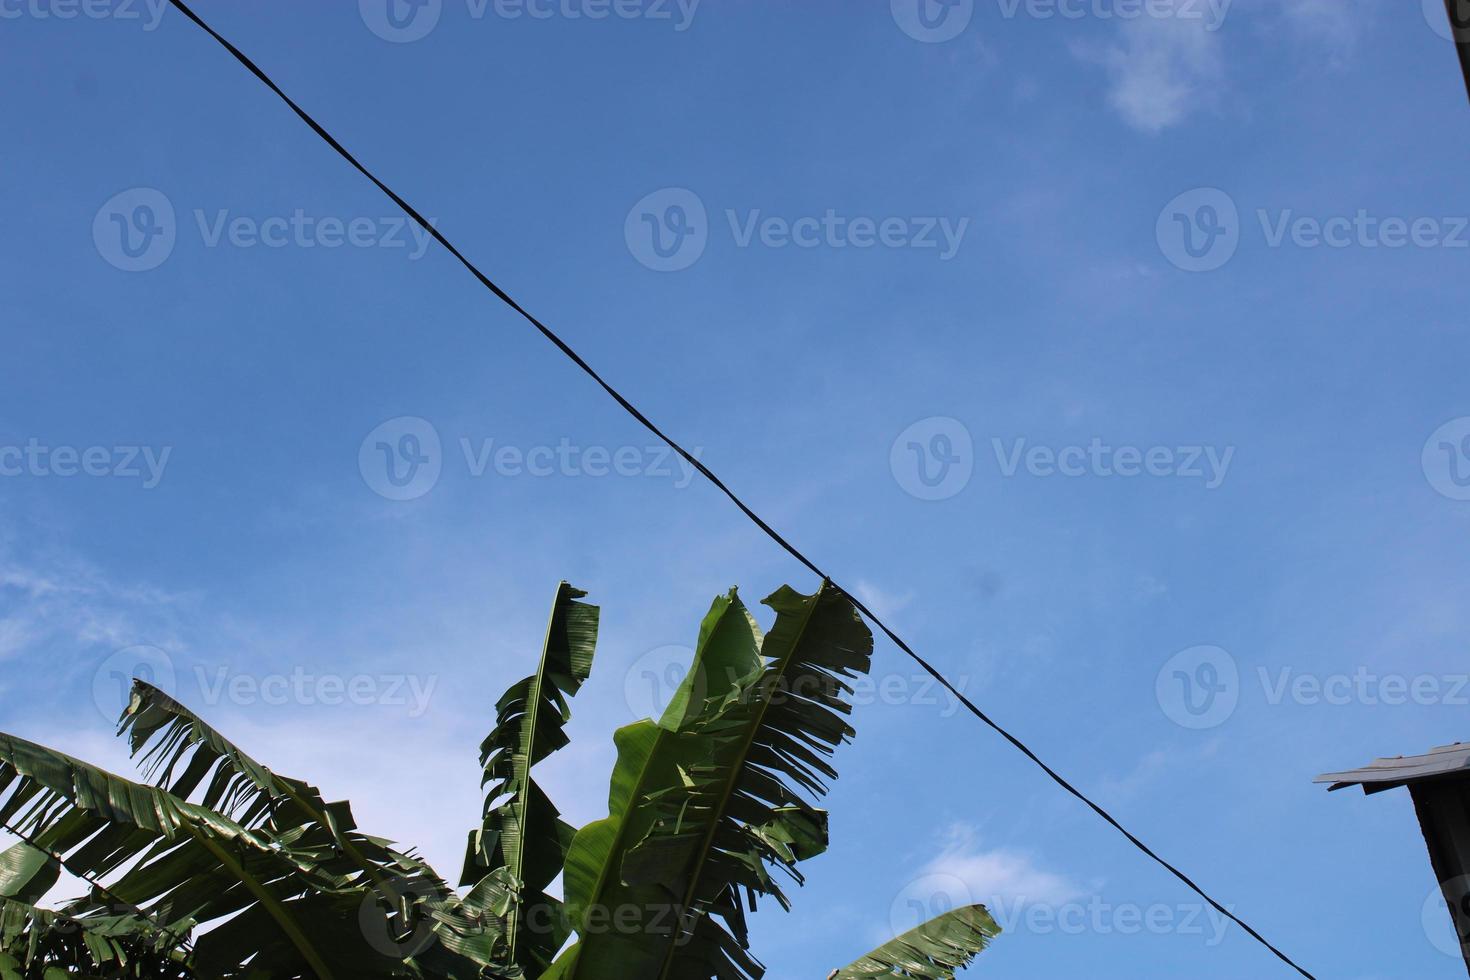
1118,357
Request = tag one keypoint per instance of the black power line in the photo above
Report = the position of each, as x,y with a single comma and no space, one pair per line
708,474
1459,11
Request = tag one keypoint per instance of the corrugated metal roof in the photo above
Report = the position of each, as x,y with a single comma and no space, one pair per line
1382,774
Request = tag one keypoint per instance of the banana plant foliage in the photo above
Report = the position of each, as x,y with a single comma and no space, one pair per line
215,866
932,951
522,830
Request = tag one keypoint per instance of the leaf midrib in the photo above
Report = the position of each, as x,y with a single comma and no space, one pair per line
736,770
528,742
648,765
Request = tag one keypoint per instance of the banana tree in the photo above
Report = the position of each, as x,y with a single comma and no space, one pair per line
215,866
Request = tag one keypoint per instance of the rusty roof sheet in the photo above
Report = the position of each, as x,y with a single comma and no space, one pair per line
1382,774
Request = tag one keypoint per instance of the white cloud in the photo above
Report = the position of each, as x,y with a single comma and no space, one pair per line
1000,875
1153,765
17,632
71,600
1161,70
411,775
882,602
1334,25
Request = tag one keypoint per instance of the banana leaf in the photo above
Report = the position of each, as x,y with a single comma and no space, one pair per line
745,807
623,927
935,950
522,831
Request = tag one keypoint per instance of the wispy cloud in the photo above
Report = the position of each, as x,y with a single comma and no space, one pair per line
1161,70
1336,26
68,600
60,608
999,874
882,601
1150,769
1164,69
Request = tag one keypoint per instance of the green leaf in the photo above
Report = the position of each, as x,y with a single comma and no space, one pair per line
182,753
622,927
48,791
744,806
933,951
188,756
27,873
522,830
287,901
112,946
